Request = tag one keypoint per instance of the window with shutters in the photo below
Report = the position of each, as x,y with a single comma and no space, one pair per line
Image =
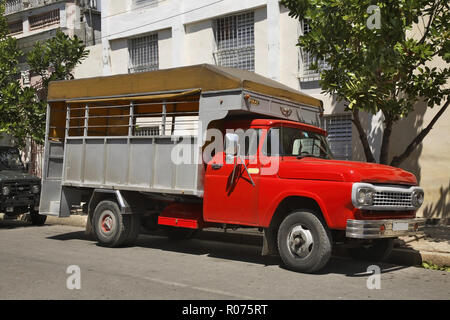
143,53
235,41
339,128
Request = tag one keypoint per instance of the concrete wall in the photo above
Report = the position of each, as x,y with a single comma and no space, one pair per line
92,65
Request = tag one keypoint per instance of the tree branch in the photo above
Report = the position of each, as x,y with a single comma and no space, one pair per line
397,160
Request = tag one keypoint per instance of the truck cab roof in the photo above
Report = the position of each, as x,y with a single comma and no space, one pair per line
274,123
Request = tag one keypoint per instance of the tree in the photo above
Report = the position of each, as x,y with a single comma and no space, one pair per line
22,109
374,64
55,59
19,109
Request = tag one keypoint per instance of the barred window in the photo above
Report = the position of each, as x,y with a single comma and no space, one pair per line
144,54
235,41
44,19
149,3
307,60
339,128
15,27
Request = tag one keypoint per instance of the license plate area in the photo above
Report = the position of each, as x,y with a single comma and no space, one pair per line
400,226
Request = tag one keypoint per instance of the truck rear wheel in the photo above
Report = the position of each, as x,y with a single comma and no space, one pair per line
377,250
304,243
112,228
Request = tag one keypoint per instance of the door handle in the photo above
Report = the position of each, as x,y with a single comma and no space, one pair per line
216,166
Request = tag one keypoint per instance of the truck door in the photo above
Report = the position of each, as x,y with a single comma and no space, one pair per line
232,184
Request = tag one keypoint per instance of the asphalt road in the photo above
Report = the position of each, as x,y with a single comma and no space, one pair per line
34,263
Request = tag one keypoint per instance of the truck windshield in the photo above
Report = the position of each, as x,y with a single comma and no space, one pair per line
297,143
10,159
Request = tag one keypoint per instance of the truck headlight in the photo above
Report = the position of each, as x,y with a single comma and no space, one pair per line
6,191
35,189
417,197
364,196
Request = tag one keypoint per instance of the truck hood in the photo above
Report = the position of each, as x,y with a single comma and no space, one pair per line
345,171
10,175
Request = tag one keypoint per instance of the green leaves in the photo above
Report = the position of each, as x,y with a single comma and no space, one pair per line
386,68
22,109
56,58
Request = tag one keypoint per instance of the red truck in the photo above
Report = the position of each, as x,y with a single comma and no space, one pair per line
196,147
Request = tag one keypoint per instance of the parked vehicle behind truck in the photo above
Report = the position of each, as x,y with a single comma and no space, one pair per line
205,146
20,191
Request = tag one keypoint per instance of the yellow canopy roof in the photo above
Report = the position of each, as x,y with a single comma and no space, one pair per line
204,77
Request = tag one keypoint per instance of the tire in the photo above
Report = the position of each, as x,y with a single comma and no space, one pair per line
377,250
304,242
178,234
37,219
112,228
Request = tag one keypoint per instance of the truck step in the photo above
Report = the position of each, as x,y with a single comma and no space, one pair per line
183,216
180,222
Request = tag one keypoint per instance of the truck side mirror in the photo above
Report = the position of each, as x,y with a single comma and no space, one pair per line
231,144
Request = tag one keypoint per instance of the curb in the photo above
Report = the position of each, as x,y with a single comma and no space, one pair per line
75,221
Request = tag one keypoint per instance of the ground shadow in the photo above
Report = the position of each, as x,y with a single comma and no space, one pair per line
237,247
12,223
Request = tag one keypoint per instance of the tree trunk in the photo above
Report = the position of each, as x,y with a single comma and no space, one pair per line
387,132
363,136
397,160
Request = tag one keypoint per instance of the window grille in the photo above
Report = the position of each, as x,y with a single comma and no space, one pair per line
339,128
307,60
45,19
235,41
15,27
144,54
149,3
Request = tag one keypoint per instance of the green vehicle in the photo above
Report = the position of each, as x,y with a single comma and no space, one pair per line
19,190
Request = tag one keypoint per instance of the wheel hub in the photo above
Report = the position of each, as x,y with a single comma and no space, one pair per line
107,222
300,241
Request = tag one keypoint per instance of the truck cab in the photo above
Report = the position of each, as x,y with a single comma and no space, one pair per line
20,191
281,176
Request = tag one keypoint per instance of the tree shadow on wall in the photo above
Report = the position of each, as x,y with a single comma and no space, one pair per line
441,208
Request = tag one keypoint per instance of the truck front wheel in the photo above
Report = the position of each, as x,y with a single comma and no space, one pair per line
111,227
304,242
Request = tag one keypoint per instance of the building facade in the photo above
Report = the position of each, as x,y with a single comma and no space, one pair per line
31,21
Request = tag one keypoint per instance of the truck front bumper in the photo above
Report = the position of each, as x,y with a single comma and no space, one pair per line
377,229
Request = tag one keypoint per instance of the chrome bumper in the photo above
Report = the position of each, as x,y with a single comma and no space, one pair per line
376,229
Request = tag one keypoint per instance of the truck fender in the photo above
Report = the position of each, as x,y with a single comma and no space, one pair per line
284,195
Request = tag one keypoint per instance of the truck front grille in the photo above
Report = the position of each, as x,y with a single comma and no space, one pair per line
19,188
392,199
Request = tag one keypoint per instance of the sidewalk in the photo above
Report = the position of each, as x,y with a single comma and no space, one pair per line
432,247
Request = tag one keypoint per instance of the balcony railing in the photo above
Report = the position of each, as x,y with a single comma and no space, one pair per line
13,6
